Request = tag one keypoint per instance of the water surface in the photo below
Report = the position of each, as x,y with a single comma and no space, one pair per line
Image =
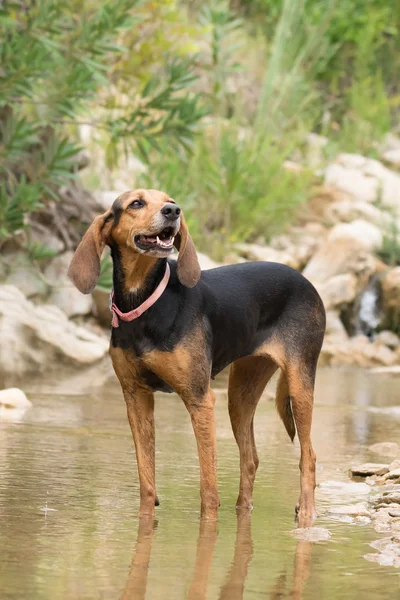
69,524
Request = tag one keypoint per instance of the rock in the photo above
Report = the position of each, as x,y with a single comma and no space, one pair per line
39,234
300,243
394,465
24,275
395,474
342,257
362,520
392,157
338,290
391,142
391,295
365,179
342,488
13,404
393,370
389,551
311,534
389,449
14,398
394,513
345,211
367,469
206,262
258,252
388,338
353,182
38,338
388,498
353,510
369,235
63,293
378,353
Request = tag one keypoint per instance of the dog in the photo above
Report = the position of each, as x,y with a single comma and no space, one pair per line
175,327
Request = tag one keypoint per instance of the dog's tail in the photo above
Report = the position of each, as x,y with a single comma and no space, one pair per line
283,406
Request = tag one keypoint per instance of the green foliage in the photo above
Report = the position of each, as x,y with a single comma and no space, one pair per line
390,251
213,109
56,60
104,281
227,194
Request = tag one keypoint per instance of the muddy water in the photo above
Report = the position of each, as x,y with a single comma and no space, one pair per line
69,500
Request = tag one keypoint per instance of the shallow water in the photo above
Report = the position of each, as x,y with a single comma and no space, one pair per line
69,500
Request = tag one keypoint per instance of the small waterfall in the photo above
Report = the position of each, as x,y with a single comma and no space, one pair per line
369,314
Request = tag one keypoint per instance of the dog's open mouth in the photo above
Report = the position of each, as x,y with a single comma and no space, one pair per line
162,241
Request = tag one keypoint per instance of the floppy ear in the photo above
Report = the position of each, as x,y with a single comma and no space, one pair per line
188,269
84,269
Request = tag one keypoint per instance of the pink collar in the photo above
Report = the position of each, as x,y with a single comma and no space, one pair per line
136,312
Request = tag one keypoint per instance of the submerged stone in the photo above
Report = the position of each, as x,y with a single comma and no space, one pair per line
389,449
351,509
368,469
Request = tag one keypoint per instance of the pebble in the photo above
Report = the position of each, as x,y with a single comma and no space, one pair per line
394,513
14,398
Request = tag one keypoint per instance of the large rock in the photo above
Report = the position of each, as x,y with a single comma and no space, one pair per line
345,211
340,256
257,252
365,179
368,469
39,338
23,274
338,290
63,292
367,234
358,350
389,449
391,290
206,262
299,243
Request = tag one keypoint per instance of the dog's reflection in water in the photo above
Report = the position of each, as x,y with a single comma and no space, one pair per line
233,587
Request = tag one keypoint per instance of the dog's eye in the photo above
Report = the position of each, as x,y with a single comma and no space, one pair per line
136,204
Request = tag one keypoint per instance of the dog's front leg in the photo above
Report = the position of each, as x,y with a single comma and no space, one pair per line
140,408
201,412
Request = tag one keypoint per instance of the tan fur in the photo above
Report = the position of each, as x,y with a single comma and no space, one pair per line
84,269
186,368
275,350
247,380
140,409
85,265
188,265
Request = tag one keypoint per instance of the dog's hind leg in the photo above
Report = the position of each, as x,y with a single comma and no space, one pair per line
247,379
301,389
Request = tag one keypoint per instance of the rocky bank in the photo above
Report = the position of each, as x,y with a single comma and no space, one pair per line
338,244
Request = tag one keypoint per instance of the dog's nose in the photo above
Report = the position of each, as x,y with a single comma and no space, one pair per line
171,211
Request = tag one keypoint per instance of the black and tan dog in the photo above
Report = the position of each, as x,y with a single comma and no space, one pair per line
189,326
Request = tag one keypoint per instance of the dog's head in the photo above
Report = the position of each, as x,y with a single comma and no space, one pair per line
146,221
